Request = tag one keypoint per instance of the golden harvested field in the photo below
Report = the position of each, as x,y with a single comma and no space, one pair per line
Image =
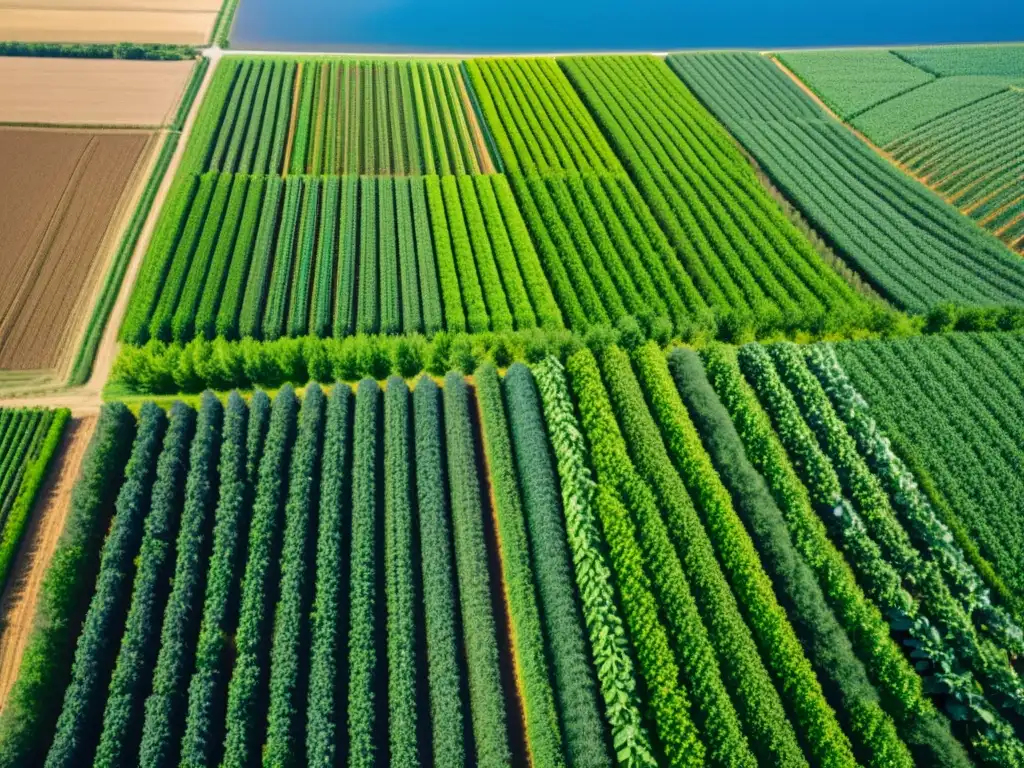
65,193
91,91
107,22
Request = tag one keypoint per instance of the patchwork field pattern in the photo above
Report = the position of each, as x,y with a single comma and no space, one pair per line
852,195
960,133
66,193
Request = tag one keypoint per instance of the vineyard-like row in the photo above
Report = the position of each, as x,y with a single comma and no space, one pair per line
748,262
319,581
917,250
28,440
265,257
952,408
536,119
342,116
974,157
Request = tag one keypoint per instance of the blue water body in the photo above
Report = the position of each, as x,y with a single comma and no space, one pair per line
504,26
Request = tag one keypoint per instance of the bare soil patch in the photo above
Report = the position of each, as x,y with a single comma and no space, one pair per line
180,6
18,604
71,25
64,190
91,91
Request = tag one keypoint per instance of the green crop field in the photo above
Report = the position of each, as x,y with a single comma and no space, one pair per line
590,410
854,197
956,124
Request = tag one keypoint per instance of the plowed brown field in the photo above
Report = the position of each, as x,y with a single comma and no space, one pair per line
62,192
91,91
100,22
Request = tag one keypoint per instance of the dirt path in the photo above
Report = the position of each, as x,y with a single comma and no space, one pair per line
18,604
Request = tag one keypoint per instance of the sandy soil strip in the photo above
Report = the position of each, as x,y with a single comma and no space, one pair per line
104,92
178,6
296,95
74,26
482,153
18,604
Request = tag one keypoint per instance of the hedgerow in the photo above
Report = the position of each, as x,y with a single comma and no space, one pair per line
206,692
296,191
244,722
34,702
285,715
365,599
165,706
668,698
328,617
448,731
543,732
486,698
571,670
400,592
119,738
78,726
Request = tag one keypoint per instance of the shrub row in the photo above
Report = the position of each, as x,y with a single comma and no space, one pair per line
609,641
118,743
668,698
438,579
543,732
924,731
840,672
365,600
208,685
571,671
34,702
486,698
400,578
78,726
328,617
247,690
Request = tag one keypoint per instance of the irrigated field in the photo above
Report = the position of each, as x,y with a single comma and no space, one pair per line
957,125
108,21
917,250
91,91
65,193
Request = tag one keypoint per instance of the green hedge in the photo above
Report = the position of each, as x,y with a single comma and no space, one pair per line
119,740
30,715
150,51
78,727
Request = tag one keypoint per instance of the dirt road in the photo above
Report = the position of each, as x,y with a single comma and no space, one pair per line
18,604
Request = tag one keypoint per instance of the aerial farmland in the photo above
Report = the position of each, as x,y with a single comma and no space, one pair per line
639,391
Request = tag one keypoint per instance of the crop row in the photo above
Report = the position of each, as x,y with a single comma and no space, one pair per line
340,116
537,121
278,575
29,439
901,560
972,156
261,257
752,266
914,248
